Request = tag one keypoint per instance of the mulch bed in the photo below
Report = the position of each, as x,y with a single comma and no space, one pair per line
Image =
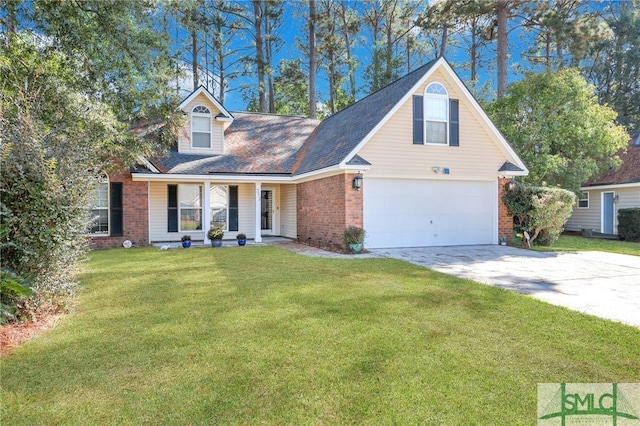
11,335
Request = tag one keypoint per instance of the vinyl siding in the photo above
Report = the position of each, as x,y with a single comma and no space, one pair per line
393,154
288,222
217,129
591,218
158,214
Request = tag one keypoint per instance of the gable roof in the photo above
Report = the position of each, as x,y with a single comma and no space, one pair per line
224,114
269,144
629,171
337,136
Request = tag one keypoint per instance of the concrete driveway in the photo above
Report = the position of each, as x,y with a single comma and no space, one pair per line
602,284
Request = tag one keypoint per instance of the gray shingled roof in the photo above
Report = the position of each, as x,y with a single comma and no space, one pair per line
339,134
274,144
254,144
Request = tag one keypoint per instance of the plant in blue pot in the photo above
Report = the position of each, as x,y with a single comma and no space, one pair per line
186,241
242,239
215,235
353,237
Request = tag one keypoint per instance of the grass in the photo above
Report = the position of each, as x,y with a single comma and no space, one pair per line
578,243
259,335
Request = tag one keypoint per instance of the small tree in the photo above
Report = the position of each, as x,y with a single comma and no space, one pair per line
540,211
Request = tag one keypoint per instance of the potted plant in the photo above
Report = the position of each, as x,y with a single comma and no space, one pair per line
353,237
186,241
215,235
242,239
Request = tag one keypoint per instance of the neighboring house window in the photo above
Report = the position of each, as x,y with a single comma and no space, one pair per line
583,201
106,209
436,117
200,127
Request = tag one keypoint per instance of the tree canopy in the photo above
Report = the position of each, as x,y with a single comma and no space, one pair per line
554,122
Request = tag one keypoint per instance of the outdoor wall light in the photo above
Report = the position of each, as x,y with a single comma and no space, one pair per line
511,185
357,181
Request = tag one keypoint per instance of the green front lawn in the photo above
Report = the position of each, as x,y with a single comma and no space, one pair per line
578,243
259,335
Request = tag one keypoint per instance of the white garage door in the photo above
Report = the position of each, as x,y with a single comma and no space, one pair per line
411,213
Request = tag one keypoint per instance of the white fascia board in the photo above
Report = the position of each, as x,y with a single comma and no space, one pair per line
469,98
512,174
148,164
142,177
613,186
211,99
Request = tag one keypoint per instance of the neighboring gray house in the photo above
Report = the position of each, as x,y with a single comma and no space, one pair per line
603,196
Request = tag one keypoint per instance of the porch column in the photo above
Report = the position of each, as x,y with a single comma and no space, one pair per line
258,218
206,213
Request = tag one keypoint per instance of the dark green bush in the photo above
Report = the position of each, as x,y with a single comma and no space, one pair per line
540,211
629,224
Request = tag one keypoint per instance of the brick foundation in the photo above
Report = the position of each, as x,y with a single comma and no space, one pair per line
325,208
135,214
505,221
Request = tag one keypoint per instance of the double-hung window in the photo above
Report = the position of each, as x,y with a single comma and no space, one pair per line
200,127
190,207
219,206
436,113
436,117
583,201
99,213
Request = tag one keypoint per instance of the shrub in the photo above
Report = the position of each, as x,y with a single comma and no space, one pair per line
353,235
215,234
13,289
540,211
629,224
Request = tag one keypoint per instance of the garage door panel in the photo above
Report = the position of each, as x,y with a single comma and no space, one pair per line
408,213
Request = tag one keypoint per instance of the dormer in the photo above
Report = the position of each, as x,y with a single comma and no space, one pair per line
207,119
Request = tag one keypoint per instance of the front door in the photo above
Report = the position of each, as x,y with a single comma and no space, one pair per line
267,211
608,212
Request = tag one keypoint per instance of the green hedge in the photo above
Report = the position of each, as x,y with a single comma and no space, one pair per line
629,224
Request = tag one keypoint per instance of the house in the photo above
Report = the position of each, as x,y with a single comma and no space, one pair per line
417,163
602,197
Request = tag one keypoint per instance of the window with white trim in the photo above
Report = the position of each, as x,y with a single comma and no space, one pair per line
583,201
200,127
436,114
219,199
190,207
99,212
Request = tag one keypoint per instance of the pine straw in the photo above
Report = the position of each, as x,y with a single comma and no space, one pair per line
11,335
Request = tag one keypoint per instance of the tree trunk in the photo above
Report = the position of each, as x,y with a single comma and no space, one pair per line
257,26
347,42
443,44
268,67
501,54
312,59
194,55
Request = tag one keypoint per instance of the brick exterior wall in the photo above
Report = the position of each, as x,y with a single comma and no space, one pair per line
325,208
505,221
135,213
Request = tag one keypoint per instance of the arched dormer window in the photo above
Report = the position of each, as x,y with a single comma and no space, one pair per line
200,127
436,114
